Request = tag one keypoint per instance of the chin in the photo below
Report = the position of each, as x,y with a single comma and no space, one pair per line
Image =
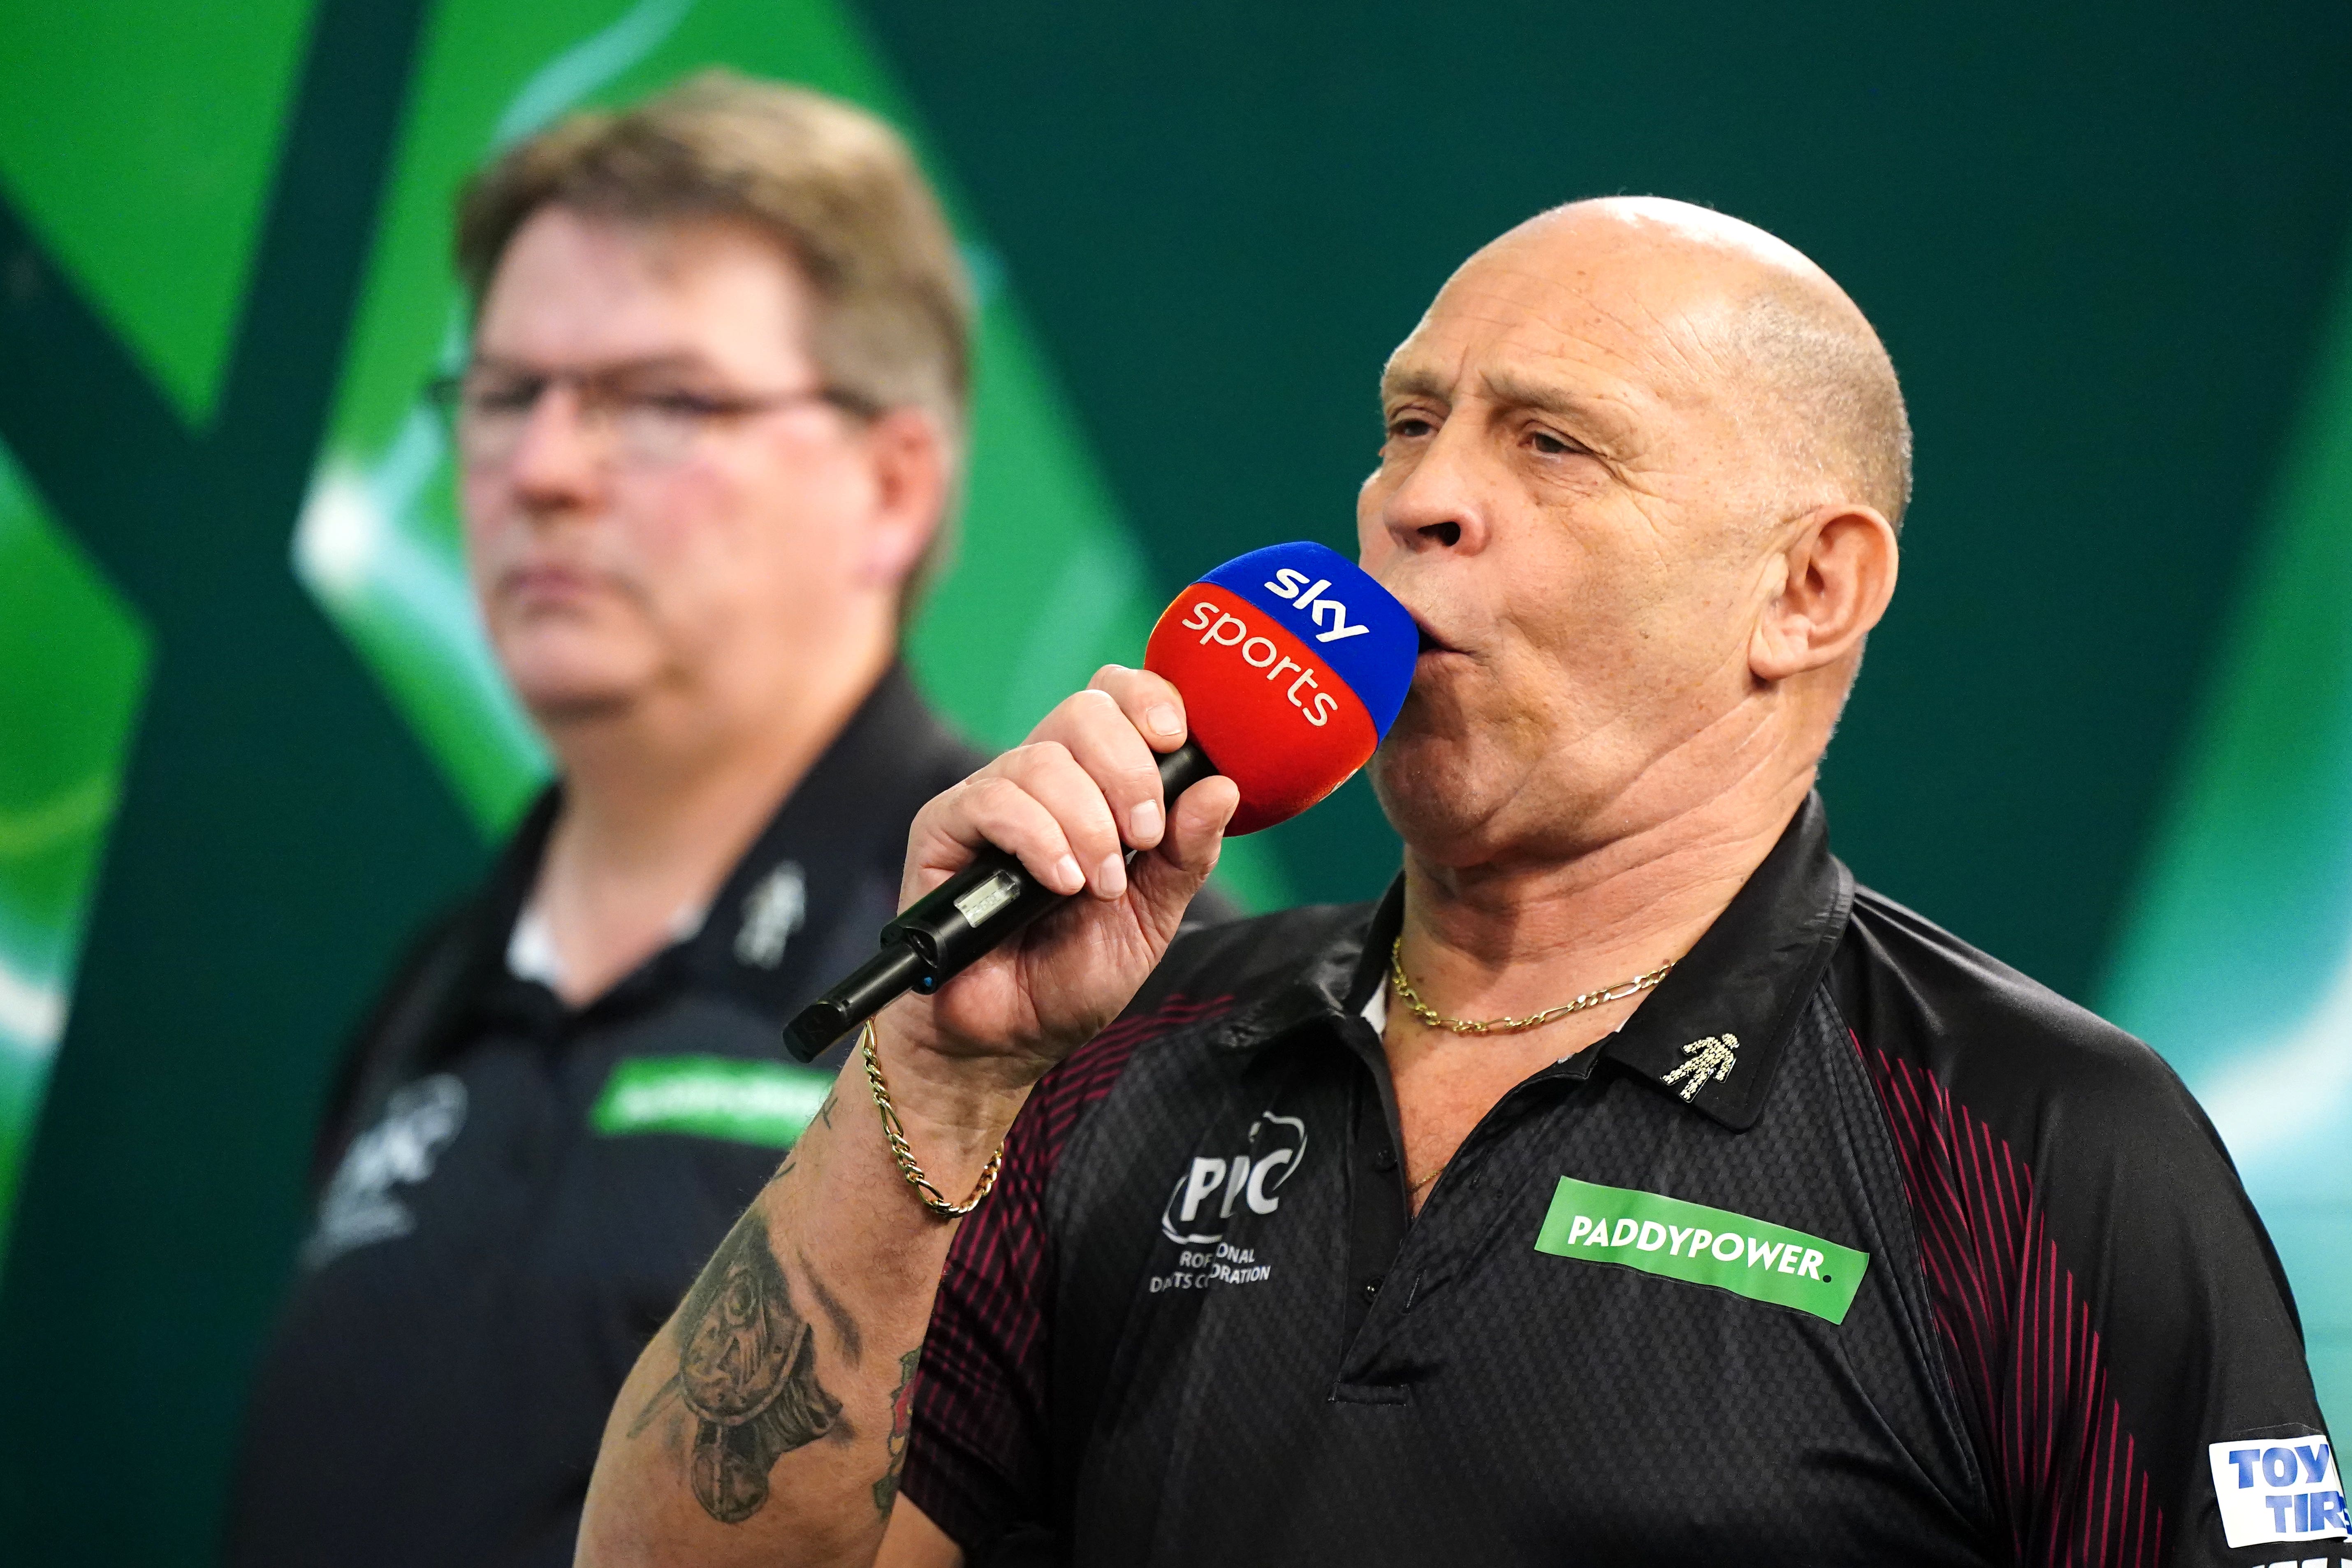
553,707
562,681
1433,791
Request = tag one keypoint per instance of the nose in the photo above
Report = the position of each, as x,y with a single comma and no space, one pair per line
1441,501
556,460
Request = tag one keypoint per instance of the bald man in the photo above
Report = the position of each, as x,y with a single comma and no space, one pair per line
1626,1186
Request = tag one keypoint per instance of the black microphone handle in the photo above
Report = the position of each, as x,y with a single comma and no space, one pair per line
944,930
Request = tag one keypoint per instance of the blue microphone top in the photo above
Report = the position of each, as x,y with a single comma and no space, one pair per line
1332,605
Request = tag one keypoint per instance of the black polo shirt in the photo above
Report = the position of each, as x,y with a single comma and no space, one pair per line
516,1194
1851,1246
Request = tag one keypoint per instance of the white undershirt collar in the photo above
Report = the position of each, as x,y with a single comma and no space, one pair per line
530,948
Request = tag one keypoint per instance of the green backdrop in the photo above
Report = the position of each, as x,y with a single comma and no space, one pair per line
249,735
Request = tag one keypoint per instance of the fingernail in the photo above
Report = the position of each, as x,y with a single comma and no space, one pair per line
1111,880
1143,823
1066,875
1164,719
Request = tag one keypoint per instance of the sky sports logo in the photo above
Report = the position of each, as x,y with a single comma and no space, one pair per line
2278,1485
1327,609
1212,615
1293,663
1290,584
1221,627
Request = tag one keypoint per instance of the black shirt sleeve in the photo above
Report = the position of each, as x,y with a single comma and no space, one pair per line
977,1446
976,1440
2110,1304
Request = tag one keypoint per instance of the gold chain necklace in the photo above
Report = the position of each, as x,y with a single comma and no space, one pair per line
1437,1020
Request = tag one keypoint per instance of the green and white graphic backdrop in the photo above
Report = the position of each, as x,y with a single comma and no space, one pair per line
2237,962
1046,586
71,656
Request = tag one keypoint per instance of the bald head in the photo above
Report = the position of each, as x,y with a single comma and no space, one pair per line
1843,432
1641,467
1814,388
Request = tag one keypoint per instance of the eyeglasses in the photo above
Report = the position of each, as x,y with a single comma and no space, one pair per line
641,419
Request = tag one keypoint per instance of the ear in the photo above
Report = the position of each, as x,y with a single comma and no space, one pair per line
1829,582
913,466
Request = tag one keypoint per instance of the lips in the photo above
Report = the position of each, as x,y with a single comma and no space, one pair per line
1430,641
546,580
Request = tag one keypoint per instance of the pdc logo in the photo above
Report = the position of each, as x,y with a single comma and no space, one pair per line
1206,1195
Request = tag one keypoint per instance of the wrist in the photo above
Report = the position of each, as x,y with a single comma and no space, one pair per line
950,1141
964,1104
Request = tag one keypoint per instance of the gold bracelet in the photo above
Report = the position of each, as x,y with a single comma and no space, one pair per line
895,1132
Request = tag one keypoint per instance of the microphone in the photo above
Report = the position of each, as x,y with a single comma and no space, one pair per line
1292,664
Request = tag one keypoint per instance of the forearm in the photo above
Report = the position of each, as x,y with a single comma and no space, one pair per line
764,1423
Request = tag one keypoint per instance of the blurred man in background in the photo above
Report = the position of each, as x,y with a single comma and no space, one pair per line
709,438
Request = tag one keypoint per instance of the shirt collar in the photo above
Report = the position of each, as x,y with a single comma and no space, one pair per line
843,827
1743,984
1332,980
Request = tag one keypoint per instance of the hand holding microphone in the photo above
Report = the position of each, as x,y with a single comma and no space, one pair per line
1267,684
1078,819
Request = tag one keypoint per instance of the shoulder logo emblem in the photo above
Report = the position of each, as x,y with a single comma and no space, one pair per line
2281,1485
772,912
419,1121
1712,1057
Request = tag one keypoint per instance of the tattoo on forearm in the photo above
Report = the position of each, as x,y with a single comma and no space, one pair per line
902,1414
845,1327
747,1369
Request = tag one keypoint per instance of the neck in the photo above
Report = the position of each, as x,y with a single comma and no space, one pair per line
661,798
1515,936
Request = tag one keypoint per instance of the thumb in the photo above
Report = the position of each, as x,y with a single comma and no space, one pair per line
1165,880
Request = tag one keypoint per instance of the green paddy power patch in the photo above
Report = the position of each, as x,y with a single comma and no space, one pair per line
1659,1234
710,1097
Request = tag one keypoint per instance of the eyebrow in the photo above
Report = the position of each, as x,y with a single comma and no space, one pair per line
652,365
1411,383
1609,426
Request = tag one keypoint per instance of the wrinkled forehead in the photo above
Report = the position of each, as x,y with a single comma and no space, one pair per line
1632,337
